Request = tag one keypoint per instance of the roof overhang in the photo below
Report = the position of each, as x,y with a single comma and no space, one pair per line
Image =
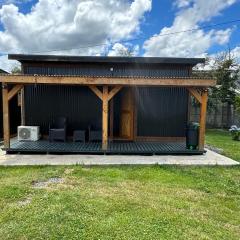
132,81
101,59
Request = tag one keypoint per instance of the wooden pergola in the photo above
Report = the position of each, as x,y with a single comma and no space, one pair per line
105,88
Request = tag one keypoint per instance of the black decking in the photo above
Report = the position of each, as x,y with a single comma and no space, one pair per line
139,148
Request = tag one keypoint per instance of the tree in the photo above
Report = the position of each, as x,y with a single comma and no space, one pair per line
16,70
226,71
237,104
119,49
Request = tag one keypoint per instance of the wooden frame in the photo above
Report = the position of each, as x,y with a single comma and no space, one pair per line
195,93
6,97
108,81
105,96
202,121
22,107
6,124
201,96
111,119
110,86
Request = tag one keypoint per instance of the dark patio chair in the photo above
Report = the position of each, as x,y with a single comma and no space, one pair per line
58,130
94,133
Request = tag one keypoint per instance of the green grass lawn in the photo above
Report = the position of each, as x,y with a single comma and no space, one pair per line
124,202
120,203
222,139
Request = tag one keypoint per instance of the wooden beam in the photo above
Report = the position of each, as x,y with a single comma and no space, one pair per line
6,124
96,91
203,113
35,79
195,94
14,91
113,92
111,118
105,118
22,107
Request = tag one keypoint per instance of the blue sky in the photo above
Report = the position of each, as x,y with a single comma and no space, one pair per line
42,26
163,13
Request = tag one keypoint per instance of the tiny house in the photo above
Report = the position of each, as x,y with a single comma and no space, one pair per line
140,104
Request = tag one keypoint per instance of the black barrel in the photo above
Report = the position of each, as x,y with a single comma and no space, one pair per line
192,136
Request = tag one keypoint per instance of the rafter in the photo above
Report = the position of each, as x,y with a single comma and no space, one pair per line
97,91
113,92
14,91
194,92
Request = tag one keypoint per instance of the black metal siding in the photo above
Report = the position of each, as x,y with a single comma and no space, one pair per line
45,103
161,112
119,70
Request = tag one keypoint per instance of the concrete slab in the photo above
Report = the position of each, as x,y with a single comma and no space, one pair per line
208,159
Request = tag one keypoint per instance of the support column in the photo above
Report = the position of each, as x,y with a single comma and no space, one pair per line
6,124
203,113
105,118
105,96
22,108
111,112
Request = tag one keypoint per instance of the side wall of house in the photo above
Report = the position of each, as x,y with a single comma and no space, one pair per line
108,69
161,112
45,103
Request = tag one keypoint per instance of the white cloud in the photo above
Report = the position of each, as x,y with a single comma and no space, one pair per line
70,24
119,49
191,13
182,3
236,53
7,65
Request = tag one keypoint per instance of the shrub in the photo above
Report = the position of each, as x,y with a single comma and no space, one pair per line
235,132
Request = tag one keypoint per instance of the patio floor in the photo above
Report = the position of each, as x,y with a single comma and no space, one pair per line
44,146
208,159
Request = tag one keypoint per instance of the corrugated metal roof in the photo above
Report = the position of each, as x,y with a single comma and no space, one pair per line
98,59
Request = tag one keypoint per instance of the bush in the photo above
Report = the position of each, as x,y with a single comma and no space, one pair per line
235,132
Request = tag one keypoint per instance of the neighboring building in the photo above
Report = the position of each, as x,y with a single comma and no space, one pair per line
3,72
133,99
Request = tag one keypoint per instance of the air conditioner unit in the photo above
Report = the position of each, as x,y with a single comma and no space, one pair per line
28,133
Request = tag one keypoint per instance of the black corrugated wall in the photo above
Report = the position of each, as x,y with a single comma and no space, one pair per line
161,112
79,105
118,70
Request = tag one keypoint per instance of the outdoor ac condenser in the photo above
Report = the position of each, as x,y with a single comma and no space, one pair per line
28,133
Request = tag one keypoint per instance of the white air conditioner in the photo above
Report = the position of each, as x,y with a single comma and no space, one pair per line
28,133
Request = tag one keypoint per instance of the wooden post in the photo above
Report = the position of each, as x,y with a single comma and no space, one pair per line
105,118
111,118
203,113
105,96
6,124
22,107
